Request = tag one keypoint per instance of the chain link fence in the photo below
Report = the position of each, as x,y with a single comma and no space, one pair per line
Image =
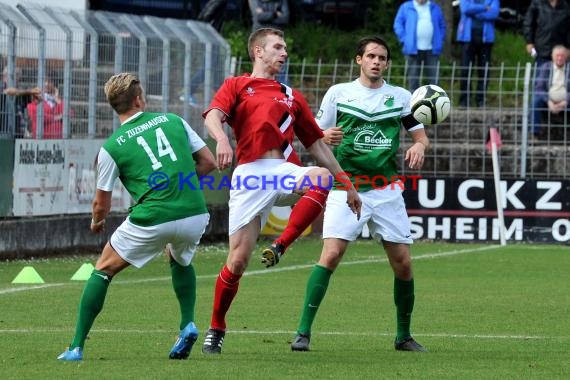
181,63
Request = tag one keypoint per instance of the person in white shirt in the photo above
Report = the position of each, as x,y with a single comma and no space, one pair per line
552,88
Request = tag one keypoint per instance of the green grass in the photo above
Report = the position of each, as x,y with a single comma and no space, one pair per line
483,311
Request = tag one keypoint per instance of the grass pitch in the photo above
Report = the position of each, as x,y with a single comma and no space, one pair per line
483,312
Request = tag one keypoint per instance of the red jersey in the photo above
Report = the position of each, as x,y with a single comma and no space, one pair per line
265,114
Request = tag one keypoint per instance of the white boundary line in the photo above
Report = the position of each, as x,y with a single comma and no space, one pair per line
268,271
291,268
292,333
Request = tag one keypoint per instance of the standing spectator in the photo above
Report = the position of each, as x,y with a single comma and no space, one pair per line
52,105
271,14
164,215
552,88
265,116
420,27
476,33
362,120
13,117
546,24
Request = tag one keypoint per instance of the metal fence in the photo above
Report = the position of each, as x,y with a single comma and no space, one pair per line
459,144
80,50
181,63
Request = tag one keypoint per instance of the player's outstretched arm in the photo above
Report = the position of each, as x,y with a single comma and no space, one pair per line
101,208
214,124
416,153
205,161
322,153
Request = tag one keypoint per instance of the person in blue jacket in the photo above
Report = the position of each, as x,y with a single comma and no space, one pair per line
476,32
420,27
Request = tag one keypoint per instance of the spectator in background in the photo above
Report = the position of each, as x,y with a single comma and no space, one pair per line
420,27
476,32
546,24
271,14
52,105
552,88
16,117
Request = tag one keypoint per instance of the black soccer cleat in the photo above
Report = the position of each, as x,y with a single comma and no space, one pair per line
271,255
301,343
213,342
409,344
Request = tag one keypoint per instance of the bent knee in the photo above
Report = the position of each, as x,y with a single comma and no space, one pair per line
320,177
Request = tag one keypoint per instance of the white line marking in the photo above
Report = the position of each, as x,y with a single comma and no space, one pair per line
292,333
268,271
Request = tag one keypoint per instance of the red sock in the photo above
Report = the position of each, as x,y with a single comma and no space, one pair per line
307,209
226,289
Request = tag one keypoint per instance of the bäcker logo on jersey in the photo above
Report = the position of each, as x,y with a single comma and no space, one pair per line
368,140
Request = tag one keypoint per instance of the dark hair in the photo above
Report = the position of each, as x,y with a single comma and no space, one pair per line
364,41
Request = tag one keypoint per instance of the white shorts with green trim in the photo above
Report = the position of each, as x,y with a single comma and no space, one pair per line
384,211
138,245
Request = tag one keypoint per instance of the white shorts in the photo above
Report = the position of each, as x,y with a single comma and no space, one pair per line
384,211
258,186
138,245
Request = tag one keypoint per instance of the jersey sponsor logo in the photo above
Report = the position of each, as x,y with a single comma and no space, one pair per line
287,101
367,141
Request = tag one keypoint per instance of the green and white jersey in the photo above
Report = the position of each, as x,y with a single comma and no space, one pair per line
151,153
371,121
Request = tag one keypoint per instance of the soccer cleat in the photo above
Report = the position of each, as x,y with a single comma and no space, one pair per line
301,343
184,343
71,355
271,255
213,342
409,344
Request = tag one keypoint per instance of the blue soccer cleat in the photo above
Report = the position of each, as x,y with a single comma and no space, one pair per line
71,355
184,343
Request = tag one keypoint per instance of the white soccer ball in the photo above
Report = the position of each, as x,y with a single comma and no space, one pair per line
430,104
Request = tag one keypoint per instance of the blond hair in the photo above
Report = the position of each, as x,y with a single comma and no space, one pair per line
121,90
257,38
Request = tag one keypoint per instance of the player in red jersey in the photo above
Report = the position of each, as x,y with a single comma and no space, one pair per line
264,116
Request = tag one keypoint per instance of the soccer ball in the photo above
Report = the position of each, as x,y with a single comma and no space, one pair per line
430,104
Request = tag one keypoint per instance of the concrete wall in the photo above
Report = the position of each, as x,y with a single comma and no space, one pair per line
48,236
6,168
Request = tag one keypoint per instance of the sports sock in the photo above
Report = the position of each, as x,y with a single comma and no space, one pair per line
305,211
226,289
184,284
316,289
404,300
90,305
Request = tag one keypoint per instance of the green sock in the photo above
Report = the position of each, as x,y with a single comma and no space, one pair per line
316,290
90,305
184,284
404,300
